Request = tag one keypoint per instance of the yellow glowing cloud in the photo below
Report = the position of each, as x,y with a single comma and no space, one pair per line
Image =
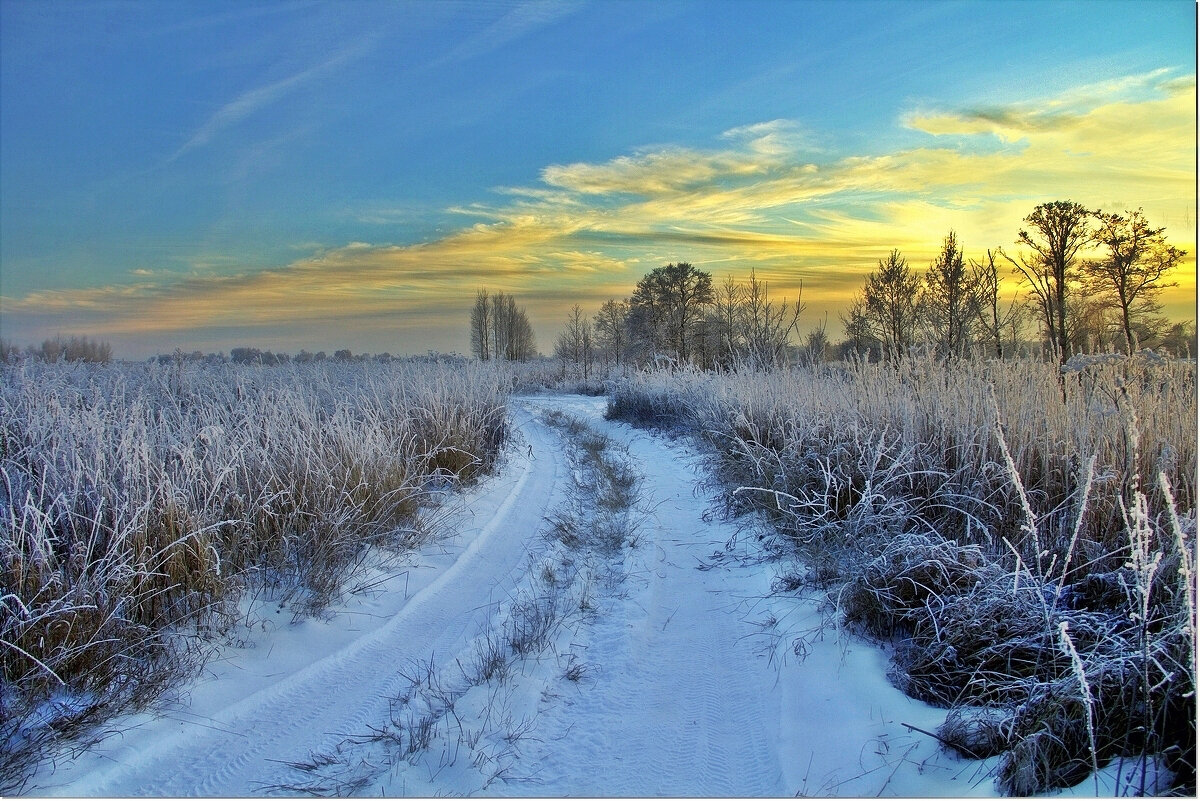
671,170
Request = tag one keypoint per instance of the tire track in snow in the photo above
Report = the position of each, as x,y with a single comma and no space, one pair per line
680,702
242,748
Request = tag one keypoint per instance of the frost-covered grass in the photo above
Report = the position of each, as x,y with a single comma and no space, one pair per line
1026,535
139,502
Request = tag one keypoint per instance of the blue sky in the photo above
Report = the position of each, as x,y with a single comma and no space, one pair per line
326,175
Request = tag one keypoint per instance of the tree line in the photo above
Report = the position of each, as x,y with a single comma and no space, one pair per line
500,330
1107,302
677,315
957,307
83,349
71,349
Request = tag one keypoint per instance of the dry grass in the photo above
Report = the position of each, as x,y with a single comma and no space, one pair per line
971,510
139,501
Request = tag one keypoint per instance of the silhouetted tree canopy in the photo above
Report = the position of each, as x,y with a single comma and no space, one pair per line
667,307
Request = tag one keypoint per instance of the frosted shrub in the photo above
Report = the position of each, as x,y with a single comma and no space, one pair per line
137,502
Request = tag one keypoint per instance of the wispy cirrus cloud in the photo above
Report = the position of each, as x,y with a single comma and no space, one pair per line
254,100
1062,113
764,198
519,21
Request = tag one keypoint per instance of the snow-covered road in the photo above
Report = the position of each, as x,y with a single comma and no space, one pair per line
691,684
681,702
697,690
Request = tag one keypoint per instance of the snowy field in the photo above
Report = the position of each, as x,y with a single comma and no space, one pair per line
688,677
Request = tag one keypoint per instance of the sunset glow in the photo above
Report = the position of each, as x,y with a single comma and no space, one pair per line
322,176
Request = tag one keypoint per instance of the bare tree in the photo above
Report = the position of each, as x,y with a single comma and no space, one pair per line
1138,259
992,319
504,309
723,329
890,304
1091,323
500,330
522,344
816,344
575,340
860,336
949,303
766,326
1016,328
610,329
481,326
647,327
1059,230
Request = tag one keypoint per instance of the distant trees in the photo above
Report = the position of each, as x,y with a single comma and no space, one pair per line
481,326
994,320
765,326
72,349
267,358
860,338
949,301
245,355
512,335
1058,231
1090,278
500,330
1181,338
675,314
1137,258
889,308
816,344
743,326
574,343
82,349
722,334
666,310
609,326
1080,303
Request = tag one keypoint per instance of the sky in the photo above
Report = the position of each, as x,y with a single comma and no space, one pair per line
347,175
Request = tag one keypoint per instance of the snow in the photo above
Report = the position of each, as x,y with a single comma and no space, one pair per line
685,682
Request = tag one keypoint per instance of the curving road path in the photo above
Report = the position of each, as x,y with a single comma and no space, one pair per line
690,687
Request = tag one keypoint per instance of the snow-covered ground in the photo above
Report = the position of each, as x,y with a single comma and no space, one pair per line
686,677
